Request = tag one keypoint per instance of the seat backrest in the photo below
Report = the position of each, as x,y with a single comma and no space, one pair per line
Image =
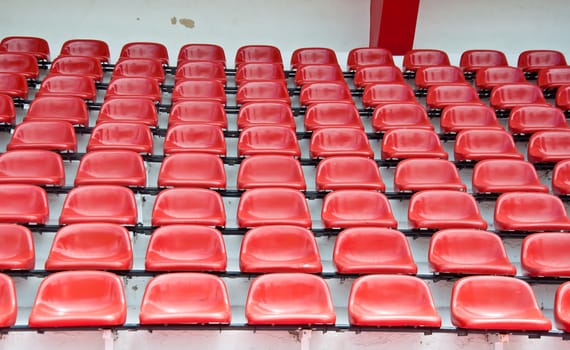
328,142
479,144
549,146
534,60
23,203
202,170
530,211
490,77
529,119
312,55
400,115
199,90
137,87
268,139
468,116
553,77
332,114
17,252
332,91
270,171
561,178
418,174
67,108
369,56
368,75
265,113
437,75
139,67
111,167
198,112
257,54
77,65
86,47
273,206
263,91
508,96
201,52
201,138
14,85
129,110
145,50
418,58
354,208
21,63
441,96
384,93
197,206
9,304
506,175
201,70
474,60
34,167
27,44
314,73
54,135
412,143
121,136
348,172
7,109
546,254
259,72
68,85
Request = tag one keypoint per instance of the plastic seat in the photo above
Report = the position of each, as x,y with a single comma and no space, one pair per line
185,298
440,209
186,248
312,55
549,146
23,203
279,248
48,135
68,85
121,136
192,170
479,144
441,96
38,47
400,115
128,110
349,172
275,140
9,306
529,119
86,47
273,206
369,56
265,113
196,206
77,65
357,208
530,211
139,68
332,114
562,97
201,70
509,96
371,250
561,318
183,138
392,301
90,246
469,252
496,303
417,58
418,174
201,52
257,54
553,77
475,60
315,73
438,75
34,167
369,75
506,175
561,178
7,110
545,254
99,203
491,77
412,143
289,299
324,92
270,171
134,87
386,93
79,299
198,112
17,251
67,108
21,63
535,60
145,50
263,91
456,118
14,85
328,142
111,167
259,72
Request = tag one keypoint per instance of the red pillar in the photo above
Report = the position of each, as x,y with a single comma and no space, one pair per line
393,24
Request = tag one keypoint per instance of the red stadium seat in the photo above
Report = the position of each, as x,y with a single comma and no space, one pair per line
273,206
369,56
491,77
121,136
7,110
418,174
549,146
265,113
111,167
392,301
99,203
259,72
129,110
77,65
496,303
368,250
192,170
186,248
509,96
199,90
332,114
467,117
145,50
412,143
198,112
90,246
357,208
67,108
530,211
79,299
400,115
312,55
475,60
201,52
328,142
48,135
268,139
34,167
182,138
21,63
270,171
68,85
17,250
134,87
139,68
257,54
545,254
9,306
201,70
316,73
506,175
553,77
349,172
185,298
469,252
86,47
440,209
279,248
562,97
561,178
325,92
441,96
14,85
479,144
196,206
529,119
561,318
38,47
377,74
438,75
386,93
263,91
535,60
289,299
417,58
